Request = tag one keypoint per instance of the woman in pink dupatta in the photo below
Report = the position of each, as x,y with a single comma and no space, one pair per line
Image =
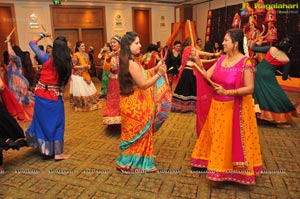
228,144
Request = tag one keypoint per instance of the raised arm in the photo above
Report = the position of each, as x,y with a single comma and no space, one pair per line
42,56
260,49
204,53
12,53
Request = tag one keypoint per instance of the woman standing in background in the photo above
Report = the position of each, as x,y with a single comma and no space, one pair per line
173,61
274,104
111,112
84,96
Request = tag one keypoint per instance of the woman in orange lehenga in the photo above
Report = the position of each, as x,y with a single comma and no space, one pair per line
138,89
228,145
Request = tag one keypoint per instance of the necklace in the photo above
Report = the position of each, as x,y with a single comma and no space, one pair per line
228,61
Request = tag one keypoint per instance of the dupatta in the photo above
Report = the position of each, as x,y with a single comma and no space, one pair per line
204,96
239,158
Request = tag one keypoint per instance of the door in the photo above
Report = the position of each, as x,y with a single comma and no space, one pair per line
71,35
95,38
7,23
142,25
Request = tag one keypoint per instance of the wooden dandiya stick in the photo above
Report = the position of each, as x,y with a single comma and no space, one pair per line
170,68
163,58
191,33
10,34
43,27
200,69
45,30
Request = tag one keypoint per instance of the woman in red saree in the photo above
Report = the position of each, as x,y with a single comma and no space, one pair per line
144,105
228,144
111,110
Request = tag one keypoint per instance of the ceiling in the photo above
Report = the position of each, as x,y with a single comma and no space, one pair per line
172,2
169,2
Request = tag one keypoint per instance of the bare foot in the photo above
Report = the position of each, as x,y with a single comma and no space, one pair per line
284,126
61,157
1,169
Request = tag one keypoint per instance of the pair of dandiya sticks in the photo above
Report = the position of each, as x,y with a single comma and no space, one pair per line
13,30
200,69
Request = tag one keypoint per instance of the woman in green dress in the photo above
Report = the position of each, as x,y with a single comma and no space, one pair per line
274,104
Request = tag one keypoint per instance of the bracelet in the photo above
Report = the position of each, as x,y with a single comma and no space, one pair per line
42,35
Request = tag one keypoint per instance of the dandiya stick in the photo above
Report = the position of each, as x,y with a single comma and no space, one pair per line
9,35
170,68
191,32
45,30
201,70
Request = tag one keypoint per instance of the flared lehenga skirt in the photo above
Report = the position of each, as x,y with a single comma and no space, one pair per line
111,111
213,149
47,127
184,98
274,104
83,96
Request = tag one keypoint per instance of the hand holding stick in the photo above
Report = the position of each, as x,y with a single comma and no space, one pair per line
46,33
203,73
10,34
191,32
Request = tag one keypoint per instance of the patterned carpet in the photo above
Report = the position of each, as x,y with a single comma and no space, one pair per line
91,173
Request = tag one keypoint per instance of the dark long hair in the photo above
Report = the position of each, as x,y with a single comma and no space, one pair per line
285,45
21,54
78,43
62,60
187,42
125,79
237,34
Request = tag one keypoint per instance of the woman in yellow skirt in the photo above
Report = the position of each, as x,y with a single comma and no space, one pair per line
228,144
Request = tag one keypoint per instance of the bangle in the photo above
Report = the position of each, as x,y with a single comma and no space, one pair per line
42,35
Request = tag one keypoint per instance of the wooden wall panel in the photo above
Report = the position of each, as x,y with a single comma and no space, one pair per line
72,35
80,23
142,25
95,38
87,17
